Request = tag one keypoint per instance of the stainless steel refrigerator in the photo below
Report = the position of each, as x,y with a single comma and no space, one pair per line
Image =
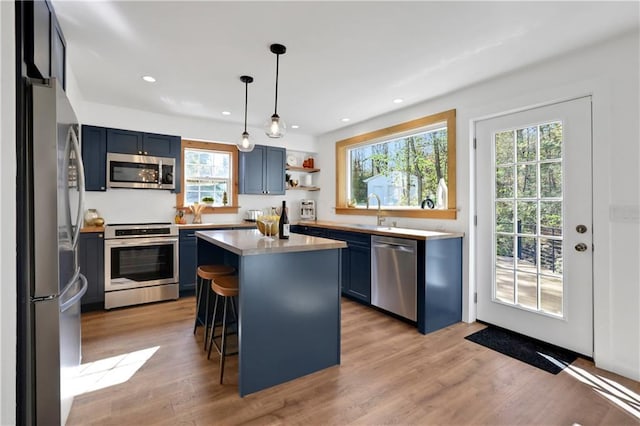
51,202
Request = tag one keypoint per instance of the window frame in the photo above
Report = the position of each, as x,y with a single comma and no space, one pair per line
388,133
232,207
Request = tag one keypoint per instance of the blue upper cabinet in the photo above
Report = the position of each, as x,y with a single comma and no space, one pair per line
124,141
131,142
262,170
45,46
94,157
159,145
97,141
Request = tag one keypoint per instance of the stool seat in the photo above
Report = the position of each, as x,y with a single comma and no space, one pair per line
209,272
226,285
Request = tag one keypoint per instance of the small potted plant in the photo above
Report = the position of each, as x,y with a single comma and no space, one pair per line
207,200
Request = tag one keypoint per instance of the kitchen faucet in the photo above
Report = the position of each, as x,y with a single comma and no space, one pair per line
379,219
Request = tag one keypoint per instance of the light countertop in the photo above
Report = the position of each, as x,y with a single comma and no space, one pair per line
243,224
415,234
247,242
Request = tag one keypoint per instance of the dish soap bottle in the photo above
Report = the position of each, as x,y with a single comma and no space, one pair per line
283,224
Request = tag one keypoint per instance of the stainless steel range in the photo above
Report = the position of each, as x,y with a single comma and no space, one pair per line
140,263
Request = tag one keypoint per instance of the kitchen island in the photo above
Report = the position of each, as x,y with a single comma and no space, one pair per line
289,302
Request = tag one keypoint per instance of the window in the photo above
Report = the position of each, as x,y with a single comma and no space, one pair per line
409,166
209,170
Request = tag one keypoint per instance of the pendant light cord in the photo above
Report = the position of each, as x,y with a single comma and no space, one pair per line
246,101
275,108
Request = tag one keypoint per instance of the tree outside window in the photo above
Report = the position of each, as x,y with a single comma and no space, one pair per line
402,171
403,165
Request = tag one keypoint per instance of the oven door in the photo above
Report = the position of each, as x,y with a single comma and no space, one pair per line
140,262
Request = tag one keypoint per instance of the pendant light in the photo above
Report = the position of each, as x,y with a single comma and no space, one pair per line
275,127
245,144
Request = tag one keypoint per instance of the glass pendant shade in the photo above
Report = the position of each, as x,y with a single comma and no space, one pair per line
275,127
245,144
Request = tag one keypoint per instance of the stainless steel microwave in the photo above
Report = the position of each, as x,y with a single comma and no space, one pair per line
140,171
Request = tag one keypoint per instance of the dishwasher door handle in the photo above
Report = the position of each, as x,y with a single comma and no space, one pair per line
398,247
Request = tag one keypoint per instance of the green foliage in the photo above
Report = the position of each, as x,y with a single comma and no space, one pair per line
422,156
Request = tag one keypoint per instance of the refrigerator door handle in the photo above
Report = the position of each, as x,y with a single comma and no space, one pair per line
80,214
69,303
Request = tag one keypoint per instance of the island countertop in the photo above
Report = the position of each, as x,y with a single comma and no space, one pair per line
414,234
245,242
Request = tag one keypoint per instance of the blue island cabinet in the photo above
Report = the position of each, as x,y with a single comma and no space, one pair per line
289,303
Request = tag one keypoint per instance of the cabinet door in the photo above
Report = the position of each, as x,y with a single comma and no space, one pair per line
158,145
124,141
91,261
360,272
94,157
188,261
251,171
274,170
39,18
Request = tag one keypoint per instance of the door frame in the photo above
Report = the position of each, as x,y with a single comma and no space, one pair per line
473,205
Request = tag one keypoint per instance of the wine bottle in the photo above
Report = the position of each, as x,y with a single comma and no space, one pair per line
283,224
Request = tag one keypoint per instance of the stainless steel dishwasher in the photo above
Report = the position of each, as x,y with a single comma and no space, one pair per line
394,272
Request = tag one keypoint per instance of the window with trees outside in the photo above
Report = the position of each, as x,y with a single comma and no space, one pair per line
410,167
209,170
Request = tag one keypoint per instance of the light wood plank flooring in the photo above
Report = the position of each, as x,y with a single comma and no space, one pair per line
389,374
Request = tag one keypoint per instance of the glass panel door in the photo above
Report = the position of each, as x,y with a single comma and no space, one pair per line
528,217
534,256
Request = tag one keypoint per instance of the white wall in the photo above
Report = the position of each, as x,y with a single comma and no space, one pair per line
7,215
609,72
134,205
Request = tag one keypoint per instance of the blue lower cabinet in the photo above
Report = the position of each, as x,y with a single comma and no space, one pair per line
188,261
91,262
359,272
356,263
440,284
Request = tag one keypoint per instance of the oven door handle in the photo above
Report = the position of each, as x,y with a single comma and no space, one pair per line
139,242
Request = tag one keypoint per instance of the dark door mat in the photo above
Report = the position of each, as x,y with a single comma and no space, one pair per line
549,358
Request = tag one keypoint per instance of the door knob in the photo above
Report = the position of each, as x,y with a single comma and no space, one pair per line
581,247
581,229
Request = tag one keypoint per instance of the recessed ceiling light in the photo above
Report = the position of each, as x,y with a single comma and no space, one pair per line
149,79
226,113
398,101
295,126
344,120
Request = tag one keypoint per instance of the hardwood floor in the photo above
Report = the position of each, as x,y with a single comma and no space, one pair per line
389,374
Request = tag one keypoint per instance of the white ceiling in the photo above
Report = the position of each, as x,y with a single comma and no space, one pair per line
344,59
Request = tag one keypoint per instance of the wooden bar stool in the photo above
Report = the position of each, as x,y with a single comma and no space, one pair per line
205,275
227,288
